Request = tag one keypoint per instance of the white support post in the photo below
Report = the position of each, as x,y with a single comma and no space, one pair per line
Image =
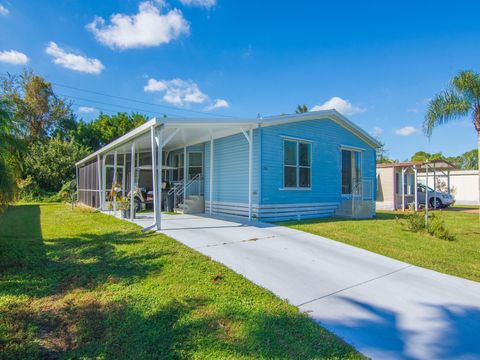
403,189
76,179
123,172
104,180
154,174
211,175
249,137
415,193
99,176
160,178
114,181
434,186
250,161
132,181
448,182
426,195
184,169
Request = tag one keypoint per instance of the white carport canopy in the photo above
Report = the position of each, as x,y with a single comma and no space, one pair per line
158,135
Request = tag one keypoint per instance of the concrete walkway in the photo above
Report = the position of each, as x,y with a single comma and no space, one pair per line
386,308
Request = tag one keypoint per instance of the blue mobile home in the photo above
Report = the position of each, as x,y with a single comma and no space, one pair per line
316,164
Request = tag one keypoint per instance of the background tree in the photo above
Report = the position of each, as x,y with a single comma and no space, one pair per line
42,114
52,163
424,156
382,155
301,109
461,100
35,119
106,128
11,148
467,161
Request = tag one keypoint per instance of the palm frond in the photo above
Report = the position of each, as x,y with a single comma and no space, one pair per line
445,106
467,83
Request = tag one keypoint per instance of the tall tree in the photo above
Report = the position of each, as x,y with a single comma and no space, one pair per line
42,113
461,99
301,109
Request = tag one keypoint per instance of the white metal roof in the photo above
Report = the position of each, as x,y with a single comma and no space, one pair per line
192,131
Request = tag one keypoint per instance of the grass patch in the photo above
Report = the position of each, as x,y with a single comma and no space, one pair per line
80,284
385,235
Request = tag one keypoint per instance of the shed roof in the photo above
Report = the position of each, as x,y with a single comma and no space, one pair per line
438,164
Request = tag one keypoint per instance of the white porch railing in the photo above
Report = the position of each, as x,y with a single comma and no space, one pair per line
193,187
363,199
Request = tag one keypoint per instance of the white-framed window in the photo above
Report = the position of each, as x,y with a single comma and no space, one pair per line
195,164
351,169
297,164
178,165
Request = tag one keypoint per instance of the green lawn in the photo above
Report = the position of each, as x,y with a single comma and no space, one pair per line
385,235
80,284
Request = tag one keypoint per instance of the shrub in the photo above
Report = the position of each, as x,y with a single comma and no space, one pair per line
437,228
415,222
436,225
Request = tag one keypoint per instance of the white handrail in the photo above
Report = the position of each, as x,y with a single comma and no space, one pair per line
179,190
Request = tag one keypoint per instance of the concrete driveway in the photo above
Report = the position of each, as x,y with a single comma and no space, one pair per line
386,308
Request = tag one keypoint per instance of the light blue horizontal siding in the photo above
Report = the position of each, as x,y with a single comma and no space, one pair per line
326,137
230,169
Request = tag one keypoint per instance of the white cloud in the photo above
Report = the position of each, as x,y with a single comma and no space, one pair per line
73,61
13,57
200,3
145,29
413,110
154,85
86,109
218,104
344,107
406,131
3,10
177,91
376,131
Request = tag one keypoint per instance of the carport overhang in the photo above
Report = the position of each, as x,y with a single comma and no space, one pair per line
417,167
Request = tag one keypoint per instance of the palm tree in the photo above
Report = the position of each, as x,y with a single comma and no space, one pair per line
460,100
301,109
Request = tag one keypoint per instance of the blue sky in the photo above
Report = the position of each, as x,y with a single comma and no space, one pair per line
376,62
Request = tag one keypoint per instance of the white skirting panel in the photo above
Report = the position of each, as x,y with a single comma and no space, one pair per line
385,205
274,212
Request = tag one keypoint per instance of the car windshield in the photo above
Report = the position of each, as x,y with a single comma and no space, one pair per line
422,188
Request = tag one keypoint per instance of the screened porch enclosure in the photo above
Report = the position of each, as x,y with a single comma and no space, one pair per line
159,166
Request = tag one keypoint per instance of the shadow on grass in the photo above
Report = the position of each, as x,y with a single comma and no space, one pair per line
56,315
36,268
85,327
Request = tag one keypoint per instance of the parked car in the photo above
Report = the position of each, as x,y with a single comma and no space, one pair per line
436,199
